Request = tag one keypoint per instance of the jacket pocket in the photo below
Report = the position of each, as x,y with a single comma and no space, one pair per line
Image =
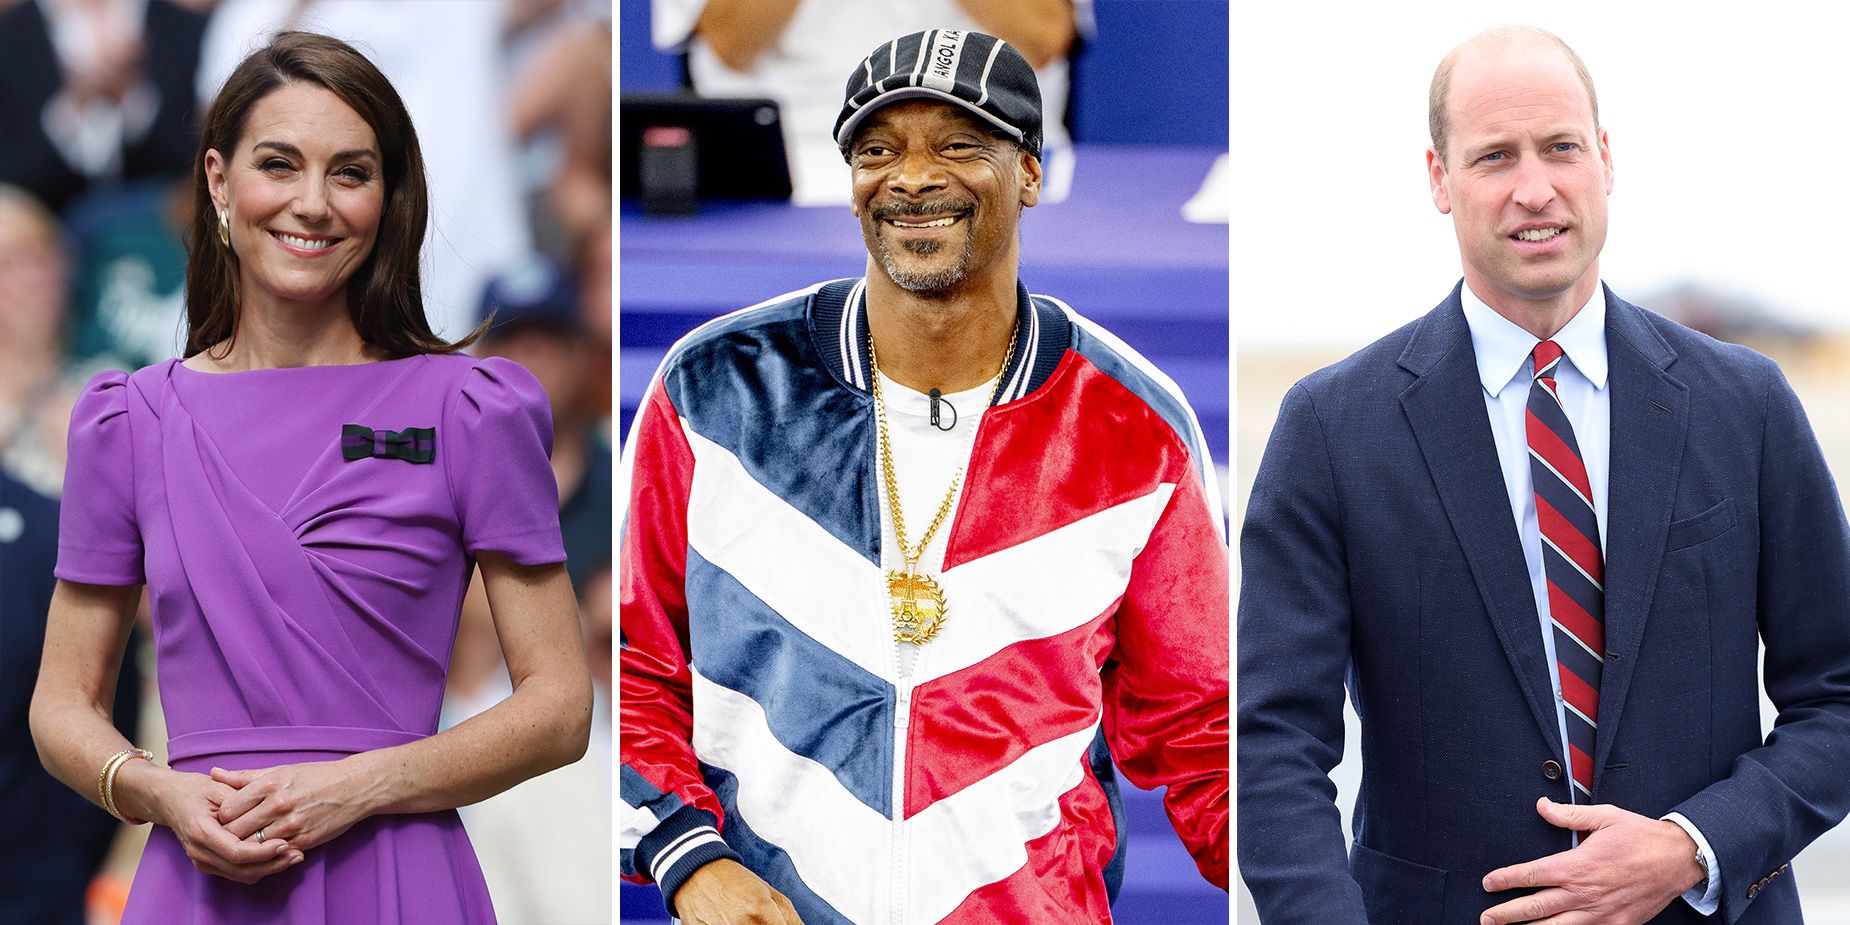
1702,527
1397,892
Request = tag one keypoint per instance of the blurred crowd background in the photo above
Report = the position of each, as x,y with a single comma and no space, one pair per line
99,102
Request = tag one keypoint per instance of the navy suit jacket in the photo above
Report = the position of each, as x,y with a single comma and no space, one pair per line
1379,550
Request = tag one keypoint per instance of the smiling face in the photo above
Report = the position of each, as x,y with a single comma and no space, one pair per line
939,196
1525,178
303,192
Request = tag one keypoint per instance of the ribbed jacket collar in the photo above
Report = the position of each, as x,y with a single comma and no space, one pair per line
838,323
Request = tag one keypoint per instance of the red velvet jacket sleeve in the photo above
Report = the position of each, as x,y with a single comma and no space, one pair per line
671,818
1166,692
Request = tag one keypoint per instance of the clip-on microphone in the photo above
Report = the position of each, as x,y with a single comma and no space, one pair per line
937,398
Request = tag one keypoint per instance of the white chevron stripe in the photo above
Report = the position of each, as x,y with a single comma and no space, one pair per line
783,796
626,466
1204,460
1041,587
790,562
1584,790
992,821
795,803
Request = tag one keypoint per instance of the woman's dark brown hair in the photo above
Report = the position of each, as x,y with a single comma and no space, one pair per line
385,295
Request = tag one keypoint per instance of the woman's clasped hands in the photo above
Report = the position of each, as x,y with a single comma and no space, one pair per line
189,805
248,824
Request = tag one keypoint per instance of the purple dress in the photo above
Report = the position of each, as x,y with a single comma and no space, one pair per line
305,580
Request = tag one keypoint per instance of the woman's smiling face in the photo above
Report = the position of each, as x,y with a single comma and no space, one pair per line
303,191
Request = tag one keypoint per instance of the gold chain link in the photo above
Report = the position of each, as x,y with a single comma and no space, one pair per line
886,459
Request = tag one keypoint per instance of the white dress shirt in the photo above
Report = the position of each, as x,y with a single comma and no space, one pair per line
1506,368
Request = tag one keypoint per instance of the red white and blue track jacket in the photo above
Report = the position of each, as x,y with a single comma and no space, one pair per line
762,713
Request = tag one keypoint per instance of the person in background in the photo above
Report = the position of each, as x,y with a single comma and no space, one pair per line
796,51
560,109
35,391
61,840
128,299
542,862
97,92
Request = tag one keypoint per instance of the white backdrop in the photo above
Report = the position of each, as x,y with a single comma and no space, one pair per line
1730,143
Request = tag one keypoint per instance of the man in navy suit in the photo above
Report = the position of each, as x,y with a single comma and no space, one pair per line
1539,533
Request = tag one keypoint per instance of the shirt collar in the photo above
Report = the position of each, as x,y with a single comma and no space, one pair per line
1502,347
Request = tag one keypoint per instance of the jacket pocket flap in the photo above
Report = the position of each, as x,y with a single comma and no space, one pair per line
1702,527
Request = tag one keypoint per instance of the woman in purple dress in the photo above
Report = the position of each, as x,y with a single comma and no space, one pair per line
304,496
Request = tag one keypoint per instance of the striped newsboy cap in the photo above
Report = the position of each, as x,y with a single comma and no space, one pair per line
981,73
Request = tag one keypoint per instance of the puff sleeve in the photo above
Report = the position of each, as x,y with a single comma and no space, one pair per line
495,443
99,539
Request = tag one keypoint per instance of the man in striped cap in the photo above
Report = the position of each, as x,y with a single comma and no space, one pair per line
1540,532
878,659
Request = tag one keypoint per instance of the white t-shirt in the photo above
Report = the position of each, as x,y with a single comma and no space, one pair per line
925,457
806,71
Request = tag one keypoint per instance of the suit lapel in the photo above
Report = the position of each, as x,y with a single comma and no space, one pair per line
1649,423
1445,407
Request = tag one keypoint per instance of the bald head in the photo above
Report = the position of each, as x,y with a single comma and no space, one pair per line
1491,43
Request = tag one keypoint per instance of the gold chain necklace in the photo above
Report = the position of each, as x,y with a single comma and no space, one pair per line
916,599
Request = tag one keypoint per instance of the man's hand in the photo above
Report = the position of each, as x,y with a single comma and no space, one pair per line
1626,869
723,892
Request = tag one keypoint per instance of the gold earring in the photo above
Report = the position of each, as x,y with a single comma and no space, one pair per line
224,228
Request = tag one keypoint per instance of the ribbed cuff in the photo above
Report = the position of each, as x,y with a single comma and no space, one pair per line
678,846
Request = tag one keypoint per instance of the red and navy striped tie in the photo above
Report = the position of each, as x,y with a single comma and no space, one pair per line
1571,560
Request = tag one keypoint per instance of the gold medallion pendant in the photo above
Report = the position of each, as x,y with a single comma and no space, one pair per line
915,599
918,606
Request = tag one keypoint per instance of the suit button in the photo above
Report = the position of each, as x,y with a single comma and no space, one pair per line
1551,769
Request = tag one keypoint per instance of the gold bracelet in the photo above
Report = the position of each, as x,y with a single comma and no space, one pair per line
114,760
106,780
